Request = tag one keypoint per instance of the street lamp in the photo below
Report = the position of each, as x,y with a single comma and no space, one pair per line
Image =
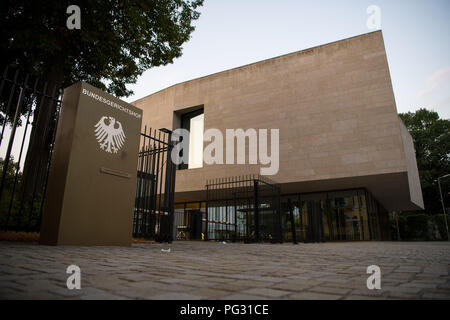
442,201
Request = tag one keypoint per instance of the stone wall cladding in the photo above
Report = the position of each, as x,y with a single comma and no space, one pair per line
334,106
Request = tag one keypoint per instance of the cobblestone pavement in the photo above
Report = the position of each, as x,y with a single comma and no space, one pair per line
213,270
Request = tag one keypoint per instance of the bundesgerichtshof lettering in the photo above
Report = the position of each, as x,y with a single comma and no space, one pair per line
110,103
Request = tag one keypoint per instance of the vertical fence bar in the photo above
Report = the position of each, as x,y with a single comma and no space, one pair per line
256,208
10,144
171,189
36,180
8,106
291,213
155,181
147,189
8,153
4,78
52,147
35,115
141,209
27,99
207,210
16,176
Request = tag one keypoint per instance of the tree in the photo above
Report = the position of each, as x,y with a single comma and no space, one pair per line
431,137
10,175
117,42
12,179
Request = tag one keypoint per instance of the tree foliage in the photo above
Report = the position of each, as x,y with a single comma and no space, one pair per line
117,42
431,137
118,39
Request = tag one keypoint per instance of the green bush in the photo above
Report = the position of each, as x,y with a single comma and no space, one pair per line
439,221
419,227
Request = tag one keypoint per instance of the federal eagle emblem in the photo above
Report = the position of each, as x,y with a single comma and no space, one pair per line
109,134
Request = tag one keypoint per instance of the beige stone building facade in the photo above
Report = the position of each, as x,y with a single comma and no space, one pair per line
338,126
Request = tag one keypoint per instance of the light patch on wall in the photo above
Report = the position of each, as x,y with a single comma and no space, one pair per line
196,142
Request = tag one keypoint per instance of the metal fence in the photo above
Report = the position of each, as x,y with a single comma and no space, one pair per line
154,209
245,208
31,106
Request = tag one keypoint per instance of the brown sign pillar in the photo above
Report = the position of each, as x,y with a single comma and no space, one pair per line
92,182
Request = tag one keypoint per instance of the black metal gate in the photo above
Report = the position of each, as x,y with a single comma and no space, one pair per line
154,206
29,112
245,208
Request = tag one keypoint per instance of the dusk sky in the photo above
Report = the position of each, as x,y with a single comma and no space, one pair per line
234,33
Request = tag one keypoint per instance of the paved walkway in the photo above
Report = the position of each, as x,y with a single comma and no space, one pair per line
212,270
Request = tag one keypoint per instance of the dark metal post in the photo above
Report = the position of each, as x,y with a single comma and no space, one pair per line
171,185
11,94
58,110
443,205
291,214
10,144
235,211
207,210
256,208
280,220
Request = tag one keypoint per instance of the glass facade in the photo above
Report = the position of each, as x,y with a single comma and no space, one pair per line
349,215
332,216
